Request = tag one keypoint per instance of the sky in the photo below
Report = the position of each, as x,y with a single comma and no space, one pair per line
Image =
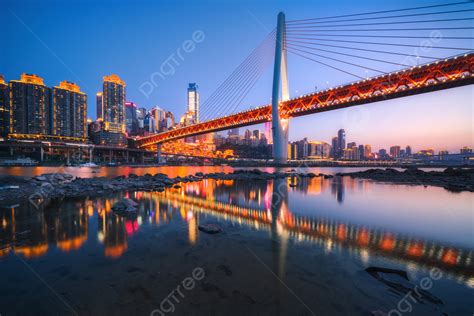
82,41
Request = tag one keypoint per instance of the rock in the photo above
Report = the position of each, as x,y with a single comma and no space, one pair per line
47,187
399,282
210,228
40,178
176,186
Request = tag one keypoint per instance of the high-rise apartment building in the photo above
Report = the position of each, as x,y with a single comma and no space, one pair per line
69,111
30,106
113,102
4,108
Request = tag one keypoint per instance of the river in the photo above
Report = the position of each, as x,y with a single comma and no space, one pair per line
289,247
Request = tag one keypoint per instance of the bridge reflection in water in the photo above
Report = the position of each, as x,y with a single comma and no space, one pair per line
260,205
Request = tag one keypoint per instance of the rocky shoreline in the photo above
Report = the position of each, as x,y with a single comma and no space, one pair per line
43,189
452,179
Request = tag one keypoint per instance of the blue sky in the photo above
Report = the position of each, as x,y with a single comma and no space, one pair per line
81,41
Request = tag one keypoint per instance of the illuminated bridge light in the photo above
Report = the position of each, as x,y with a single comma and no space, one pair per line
415,249
450,256
388,242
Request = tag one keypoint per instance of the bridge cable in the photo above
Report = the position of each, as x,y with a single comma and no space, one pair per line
380,12
232,82
244,70
322,63
389,44
387,36
237,86
217,96
391,30
379,18
350,55
368,50
236,75
289,27
260,67
228,102
338,60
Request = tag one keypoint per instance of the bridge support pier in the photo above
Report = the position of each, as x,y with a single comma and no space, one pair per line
159,158
280,84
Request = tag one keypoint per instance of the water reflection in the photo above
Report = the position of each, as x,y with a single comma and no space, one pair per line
260,205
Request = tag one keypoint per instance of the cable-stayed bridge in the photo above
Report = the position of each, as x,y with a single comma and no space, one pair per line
355,37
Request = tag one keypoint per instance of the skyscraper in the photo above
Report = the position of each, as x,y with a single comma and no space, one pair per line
247,135
256,134
4,108
395,151
367,151
99,106
160,118
408,150
341,138
69,111
361,152
193,101
131,120
113,102
30,106
112,111
335,147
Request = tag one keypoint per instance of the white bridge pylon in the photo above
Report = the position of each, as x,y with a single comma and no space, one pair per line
280,93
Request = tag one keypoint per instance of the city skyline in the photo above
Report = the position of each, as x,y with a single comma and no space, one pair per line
211,61
350,118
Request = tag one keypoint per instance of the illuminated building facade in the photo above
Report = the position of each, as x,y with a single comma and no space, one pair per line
69,110
367,152
112,110
4,108
318,150
113,102
193,101
30,106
